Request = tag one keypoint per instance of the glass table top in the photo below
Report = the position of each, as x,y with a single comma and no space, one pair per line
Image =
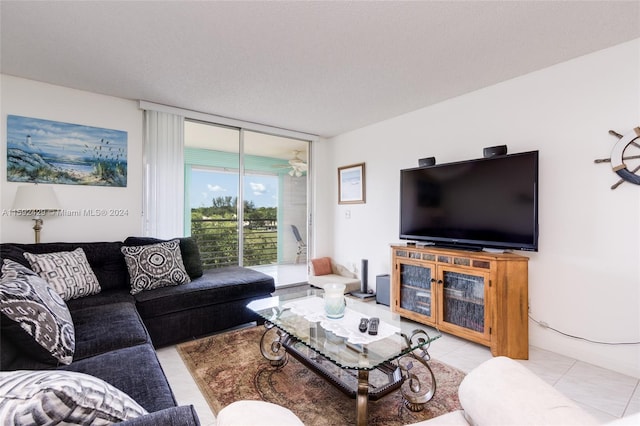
301,316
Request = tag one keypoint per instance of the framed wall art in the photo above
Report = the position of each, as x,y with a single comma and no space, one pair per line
45,151
351,184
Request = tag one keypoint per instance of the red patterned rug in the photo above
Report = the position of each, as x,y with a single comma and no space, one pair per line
229,367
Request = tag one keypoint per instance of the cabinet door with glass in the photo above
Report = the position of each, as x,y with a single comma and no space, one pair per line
416,291
464,299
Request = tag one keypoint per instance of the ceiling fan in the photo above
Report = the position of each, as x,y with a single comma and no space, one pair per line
297,165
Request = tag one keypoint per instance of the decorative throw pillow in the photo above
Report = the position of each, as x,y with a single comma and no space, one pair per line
12,269
68,272
39,321
155,265
188,250
322,266
62,397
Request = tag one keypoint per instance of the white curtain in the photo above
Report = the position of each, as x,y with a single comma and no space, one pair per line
163,209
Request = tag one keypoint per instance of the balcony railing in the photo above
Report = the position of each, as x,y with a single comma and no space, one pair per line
218,241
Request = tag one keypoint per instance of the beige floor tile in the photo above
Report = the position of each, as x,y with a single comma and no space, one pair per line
547,365
603,389
634,403
184,388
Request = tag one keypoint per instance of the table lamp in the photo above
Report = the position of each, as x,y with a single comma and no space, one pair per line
36,200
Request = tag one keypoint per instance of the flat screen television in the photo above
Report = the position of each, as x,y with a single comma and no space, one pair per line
485,203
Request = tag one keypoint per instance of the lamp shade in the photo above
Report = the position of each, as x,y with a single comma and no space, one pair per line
36,198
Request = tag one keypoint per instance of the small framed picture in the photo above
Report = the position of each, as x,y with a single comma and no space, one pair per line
351,184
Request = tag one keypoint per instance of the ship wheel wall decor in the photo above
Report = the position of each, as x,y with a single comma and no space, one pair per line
621,154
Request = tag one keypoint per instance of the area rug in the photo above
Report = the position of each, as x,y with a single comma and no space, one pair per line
229,367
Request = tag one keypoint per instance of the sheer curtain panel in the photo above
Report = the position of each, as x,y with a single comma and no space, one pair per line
163,209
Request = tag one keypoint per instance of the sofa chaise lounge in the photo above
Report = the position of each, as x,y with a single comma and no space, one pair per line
116,331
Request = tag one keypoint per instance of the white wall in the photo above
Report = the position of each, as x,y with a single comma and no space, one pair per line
585,279
33,99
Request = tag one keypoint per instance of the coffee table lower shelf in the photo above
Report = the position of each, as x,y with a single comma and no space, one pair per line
361,384
388,376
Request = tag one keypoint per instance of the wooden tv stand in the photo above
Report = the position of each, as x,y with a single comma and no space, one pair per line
479,296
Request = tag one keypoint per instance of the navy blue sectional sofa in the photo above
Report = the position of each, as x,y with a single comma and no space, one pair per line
116,332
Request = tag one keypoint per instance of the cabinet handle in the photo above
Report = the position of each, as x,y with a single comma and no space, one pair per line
433,280
440,282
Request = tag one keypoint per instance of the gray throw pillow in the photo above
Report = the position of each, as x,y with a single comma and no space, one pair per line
68,272
37,319
155,265
62,397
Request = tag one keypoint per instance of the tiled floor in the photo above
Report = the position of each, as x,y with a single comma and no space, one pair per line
285,274
607,395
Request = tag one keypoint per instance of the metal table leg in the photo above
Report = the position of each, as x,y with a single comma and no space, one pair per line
362,398
271,345
414,393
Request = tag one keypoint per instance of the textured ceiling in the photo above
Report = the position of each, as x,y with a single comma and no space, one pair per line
316,67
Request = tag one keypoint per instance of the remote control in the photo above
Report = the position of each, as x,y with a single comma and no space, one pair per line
373,326
364,323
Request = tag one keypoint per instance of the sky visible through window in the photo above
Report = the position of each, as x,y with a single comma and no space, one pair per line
206,185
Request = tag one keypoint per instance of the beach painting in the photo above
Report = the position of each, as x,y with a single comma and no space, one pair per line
45,151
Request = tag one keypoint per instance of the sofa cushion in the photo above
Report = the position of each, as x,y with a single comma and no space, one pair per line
36,318
134,370
67,272
105,259
214,287
10,352
53,397
321,266
104,328
501,391
188,248
184,415
99,329
155,266
103,298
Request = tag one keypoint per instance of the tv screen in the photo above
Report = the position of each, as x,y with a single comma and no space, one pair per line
484,203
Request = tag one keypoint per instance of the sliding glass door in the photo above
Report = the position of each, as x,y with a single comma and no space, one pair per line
246,198
212,161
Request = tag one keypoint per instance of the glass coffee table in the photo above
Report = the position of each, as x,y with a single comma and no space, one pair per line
363,366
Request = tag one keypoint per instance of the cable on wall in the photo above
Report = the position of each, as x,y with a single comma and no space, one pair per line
545,325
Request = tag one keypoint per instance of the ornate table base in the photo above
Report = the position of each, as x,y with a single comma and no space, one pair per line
275,344
414,393
271,345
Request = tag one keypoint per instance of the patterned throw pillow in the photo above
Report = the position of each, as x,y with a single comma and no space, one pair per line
11,269
188,250
40,320
68,272
62,397
154,266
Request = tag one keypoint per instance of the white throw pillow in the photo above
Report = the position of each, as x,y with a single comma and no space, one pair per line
68,272
56,397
